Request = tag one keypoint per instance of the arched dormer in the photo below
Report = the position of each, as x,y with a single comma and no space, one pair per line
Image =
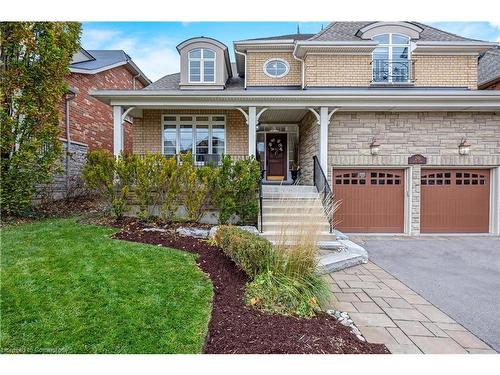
377,28
204,64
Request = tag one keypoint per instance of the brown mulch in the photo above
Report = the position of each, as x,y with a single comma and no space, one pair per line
236,328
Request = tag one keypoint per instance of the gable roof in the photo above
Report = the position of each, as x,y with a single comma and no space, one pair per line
101,60
281,37
346,31
489,66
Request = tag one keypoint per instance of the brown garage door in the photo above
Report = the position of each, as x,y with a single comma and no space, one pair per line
372,200
455,201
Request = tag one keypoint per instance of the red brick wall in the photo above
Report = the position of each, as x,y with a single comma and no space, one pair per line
91,120
495,86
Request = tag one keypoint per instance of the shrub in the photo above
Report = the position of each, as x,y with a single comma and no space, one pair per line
250,252
99,173
149,183
126,173
169,189
279,293
194,187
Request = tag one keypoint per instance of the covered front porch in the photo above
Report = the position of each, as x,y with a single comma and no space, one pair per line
283,139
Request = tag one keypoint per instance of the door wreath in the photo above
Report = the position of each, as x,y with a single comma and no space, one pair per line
275,146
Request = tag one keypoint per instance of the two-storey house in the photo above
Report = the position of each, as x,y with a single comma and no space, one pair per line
389,112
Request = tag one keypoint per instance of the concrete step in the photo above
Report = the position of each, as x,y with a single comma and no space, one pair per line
289,188
276,235
293,196
294,212
297,216
297,202
291,227
348,255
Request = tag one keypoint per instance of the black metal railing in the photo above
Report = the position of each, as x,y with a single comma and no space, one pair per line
392,71
261,197
323,187
201,160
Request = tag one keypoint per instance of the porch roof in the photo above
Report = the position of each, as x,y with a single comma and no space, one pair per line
408,99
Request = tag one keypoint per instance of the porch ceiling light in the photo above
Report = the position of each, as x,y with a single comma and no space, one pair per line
374,147
464,147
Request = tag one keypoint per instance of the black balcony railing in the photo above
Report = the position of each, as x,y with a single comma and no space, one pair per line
392,71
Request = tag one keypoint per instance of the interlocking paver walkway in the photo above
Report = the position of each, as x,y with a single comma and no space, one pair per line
388,312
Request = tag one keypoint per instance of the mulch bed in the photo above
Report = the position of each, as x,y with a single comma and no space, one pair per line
236,328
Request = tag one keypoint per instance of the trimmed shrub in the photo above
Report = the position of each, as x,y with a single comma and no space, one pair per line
252,253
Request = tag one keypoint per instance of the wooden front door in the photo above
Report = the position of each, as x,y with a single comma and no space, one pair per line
371,200
276,151
455,201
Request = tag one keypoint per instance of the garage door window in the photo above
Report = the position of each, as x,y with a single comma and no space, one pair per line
352,178
445,178
383,178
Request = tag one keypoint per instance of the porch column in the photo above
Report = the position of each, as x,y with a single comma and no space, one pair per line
117,130
252,129
324,119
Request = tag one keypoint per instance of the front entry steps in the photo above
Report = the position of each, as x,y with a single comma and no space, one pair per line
288,210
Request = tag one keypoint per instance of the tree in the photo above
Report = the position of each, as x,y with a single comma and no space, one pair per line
34,61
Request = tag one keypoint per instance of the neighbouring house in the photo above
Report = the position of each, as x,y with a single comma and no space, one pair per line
87,123
388,114
489,70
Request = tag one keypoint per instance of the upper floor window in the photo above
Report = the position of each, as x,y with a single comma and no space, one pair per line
391,59
276,68
201,65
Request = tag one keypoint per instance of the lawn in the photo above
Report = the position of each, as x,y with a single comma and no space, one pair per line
70,288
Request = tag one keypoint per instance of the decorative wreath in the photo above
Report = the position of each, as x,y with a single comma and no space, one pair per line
275,146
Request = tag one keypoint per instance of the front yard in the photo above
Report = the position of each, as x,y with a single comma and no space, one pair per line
70,288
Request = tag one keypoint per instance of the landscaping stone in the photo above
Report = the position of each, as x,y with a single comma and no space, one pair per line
193,232
154,229
248,228
345,320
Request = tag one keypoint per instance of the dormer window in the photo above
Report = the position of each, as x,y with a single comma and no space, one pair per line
201,65
391,59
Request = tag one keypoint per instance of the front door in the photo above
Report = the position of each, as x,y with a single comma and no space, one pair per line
276,151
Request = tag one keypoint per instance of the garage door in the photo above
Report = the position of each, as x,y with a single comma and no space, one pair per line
455,201
372,200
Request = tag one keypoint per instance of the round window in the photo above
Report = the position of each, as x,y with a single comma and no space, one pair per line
276,68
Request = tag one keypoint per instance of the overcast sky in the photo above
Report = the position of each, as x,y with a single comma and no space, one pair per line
152,44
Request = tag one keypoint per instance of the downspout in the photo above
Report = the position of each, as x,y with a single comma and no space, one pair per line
69,97
302,65
245,56
134,79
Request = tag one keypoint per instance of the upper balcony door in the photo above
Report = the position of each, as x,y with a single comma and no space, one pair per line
391,59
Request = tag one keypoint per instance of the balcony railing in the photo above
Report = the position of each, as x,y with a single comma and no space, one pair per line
392,71
201,160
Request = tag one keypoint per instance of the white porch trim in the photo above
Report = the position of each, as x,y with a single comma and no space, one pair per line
323,119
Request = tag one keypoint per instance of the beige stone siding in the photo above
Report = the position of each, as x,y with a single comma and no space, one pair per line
308,147
435,135
338,70
147,131
445,71
257,77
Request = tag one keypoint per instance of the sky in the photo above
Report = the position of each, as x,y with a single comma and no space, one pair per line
152,44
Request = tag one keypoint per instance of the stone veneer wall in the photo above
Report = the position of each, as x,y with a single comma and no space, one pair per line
147,131
445,71
338,70
257,77
308,147
435,135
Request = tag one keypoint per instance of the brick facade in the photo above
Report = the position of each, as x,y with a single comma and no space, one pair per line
147,131
92,120
445,71
338,70
436,135
257,77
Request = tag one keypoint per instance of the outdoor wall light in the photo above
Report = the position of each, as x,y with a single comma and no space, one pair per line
374,147
464,147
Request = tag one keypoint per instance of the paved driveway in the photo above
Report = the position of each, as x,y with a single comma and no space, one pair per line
460,275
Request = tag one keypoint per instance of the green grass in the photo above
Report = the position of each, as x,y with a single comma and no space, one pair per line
70,288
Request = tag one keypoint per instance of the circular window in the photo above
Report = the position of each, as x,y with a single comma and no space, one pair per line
276,68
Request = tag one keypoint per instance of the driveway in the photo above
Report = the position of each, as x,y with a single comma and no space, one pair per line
458,274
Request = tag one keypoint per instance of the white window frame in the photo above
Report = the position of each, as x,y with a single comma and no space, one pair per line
202,60
276,59
389,47
194,123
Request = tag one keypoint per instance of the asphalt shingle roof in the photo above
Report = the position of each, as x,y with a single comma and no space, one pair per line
171,82
346,31
102,58
282,37
489,66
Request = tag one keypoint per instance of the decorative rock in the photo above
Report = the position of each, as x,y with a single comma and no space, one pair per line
154,230
345,322
193,232
361,338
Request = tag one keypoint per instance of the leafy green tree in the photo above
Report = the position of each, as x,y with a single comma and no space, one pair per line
34,61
